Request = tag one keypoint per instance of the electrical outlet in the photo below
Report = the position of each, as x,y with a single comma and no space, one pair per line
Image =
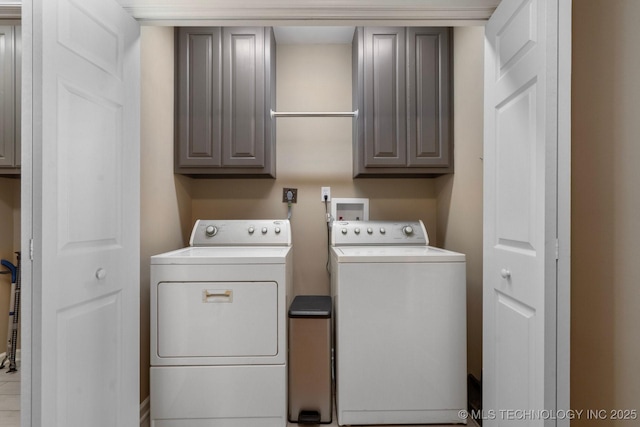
325,191
286,196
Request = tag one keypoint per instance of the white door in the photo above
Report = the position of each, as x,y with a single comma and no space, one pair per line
521,205
82,180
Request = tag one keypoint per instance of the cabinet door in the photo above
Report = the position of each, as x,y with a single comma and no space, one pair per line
7,93
18,96
384,97
428,97
199,106
244,97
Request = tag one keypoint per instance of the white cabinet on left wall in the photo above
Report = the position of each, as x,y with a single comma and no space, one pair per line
10,83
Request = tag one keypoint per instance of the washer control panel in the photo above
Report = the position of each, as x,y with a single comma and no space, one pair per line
378,233
262,232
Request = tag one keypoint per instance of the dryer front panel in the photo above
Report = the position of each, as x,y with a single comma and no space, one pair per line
217,319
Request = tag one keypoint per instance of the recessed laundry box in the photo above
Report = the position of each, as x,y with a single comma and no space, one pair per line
310,360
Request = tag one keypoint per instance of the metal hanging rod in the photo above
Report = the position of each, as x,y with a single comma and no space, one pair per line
314,114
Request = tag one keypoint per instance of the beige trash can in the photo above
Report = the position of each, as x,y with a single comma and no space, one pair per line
310,360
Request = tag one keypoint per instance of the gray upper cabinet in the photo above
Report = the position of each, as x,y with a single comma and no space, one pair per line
10,83
402,90
225,91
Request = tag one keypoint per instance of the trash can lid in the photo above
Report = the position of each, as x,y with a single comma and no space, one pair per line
316,306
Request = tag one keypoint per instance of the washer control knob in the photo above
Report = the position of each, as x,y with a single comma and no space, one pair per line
264,230
277,230
407,230
344,231
382,230
211,230
251,230
370,230
357,231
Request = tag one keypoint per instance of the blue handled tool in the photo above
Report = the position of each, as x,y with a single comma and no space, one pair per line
11,269
12,329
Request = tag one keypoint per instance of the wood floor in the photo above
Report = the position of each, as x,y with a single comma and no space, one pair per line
9,398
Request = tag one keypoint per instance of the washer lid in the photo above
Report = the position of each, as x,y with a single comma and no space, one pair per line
395,254
224,255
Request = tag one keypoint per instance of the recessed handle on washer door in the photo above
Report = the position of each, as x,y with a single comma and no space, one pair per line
217,296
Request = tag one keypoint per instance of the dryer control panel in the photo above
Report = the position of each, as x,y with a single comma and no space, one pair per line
262,232
379,233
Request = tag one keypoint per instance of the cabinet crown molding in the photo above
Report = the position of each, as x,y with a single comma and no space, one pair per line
10,11
335,11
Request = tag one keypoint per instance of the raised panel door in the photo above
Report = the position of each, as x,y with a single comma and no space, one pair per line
81,182
7,93
428,97
199,97
18,97
522,281
244,97
384,97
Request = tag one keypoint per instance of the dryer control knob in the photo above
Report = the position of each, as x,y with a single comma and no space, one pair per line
277,230
357,231
370,230
211,230
344,231
264,230
251,230
407,230
382,230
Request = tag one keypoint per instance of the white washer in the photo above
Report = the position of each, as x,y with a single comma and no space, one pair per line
218,327
400,325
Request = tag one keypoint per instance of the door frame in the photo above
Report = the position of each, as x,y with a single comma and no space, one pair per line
352,12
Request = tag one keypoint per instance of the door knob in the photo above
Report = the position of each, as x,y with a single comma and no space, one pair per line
101,273
506,274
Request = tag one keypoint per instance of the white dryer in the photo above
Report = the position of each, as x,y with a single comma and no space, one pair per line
218,326
400,325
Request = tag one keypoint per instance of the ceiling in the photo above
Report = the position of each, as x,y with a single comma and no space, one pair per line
314,35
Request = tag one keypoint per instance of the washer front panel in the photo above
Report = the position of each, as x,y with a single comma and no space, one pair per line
400,338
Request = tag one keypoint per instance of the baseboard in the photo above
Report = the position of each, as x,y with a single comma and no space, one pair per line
144,413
